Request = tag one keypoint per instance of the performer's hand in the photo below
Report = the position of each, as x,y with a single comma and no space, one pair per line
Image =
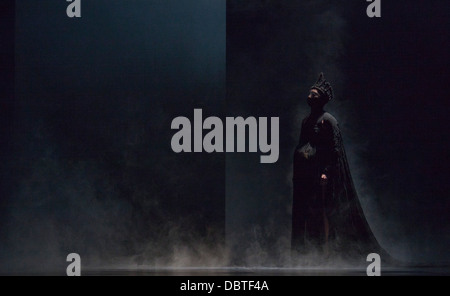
323,179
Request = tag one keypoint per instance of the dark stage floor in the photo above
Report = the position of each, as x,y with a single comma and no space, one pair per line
267,271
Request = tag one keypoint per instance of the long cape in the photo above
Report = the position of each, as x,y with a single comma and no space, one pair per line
350,233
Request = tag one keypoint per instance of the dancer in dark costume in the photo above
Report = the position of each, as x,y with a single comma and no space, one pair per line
326,214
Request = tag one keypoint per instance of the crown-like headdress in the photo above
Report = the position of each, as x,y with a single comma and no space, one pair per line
324,87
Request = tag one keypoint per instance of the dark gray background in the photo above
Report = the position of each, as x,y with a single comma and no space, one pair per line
389,76
91,168
88,166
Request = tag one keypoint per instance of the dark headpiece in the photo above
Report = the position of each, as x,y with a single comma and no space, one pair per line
324,87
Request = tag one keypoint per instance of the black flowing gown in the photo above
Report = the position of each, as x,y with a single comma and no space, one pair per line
321,151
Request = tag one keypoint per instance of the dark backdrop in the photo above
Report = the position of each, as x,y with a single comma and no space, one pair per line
389,75
91,169
87,105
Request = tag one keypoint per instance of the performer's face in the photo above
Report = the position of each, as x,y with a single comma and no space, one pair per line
314,97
